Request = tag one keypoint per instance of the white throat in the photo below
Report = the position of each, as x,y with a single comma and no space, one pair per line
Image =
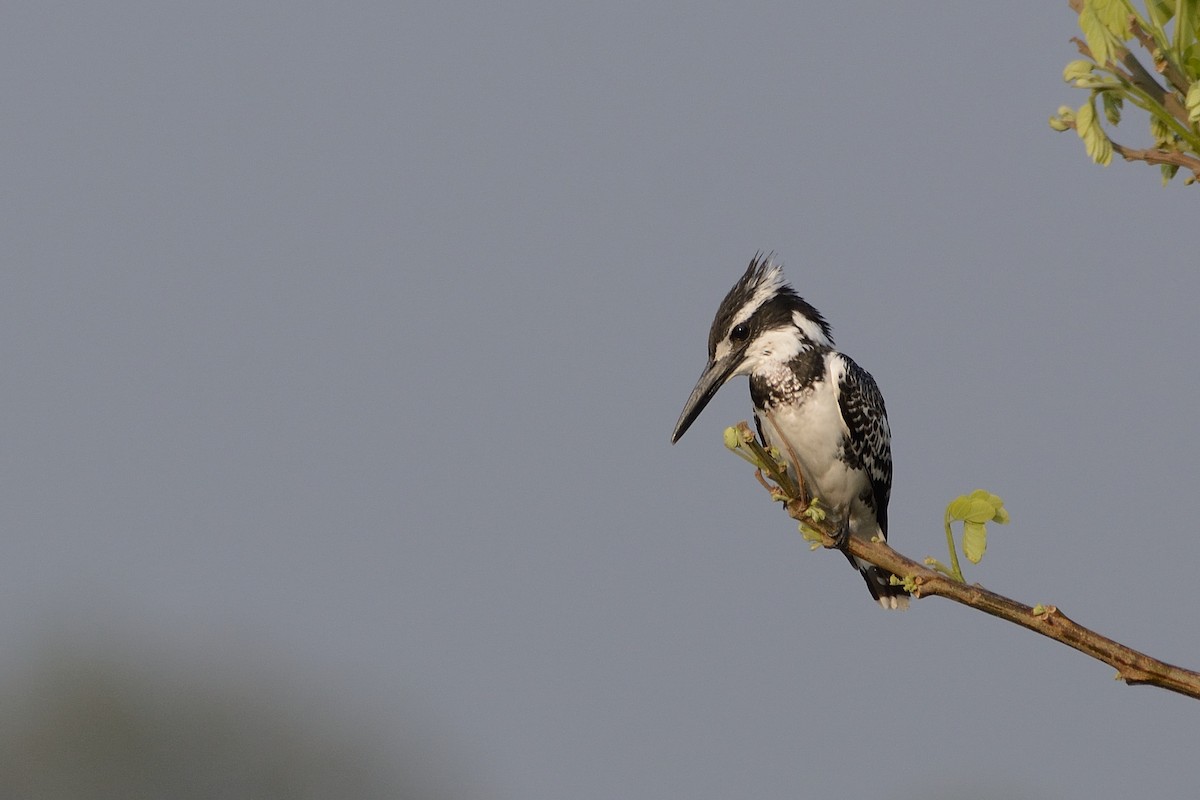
772,350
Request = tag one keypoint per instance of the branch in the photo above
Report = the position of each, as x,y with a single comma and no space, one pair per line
1153,156
1161,61
1133,667
1140,77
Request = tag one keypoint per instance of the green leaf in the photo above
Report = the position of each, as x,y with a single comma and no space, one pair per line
732,440
1168,172
1114,15
1085,119
974,541
1192,101
975,510
1160,133
1063,119
1096,34
1187,23
984,494
1099,148
1189,60
1079,68
978,506
1112,107
972,509
1161,11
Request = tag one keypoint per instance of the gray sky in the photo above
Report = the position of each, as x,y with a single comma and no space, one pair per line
345,342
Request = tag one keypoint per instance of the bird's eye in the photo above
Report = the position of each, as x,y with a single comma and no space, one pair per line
739,333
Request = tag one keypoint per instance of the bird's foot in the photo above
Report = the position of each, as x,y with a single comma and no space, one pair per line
840,538
773,490
814,526
807,510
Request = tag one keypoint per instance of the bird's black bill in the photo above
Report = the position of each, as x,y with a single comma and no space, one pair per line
714,377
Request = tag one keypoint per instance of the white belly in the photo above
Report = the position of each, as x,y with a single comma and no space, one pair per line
809,436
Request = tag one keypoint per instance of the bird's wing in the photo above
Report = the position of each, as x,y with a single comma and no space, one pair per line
868,437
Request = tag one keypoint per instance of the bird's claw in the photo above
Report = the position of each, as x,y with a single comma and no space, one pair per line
840,537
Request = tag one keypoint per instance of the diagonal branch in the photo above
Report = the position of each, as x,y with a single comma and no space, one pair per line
1132,666
1153,156
1140,77
1162,62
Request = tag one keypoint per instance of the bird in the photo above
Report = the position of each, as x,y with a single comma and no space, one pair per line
822,412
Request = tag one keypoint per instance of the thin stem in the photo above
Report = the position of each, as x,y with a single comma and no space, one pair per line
1159,157
957,572
764,460
1170,70
1153,156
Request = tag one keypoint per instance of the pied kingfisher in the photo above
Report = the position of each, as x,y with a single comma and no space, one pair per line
814,404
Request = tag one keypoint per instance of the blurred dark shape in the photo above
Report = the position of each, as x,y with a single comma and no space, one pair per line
82,727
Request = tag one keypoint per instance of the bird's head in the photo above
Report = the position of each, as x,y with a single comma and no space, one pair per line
761,321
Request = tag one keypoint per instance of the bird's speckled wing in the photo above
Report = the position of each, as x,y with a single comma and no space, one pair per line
869,439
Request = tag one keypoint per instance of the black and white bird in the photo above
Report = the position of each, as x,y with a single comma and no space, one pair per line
819,409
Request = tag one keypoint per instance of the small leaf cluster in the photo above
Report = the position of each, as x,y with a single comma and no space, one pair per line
769,463
744,444
974,511
1169,92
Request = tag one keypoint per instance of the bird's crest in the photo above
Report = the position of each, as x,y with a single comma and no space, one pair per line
762,282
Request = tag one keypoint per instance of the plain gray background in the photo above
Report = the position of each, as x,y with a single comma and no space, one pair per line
341,343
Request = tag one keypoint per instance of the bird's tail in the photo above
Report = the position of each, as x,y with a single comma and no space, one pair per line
879,582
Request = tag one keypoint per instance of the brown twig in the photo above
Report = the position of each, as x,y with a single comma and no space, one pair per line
1162,62
1133,667
1139,76
1152,156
